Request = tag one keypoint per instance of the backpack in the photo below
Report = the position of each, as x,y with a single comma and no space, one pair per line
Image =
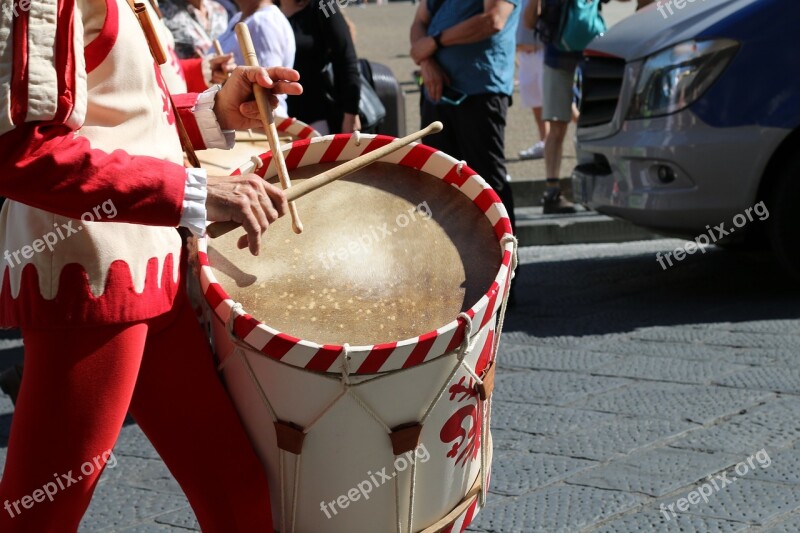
581,22
549,22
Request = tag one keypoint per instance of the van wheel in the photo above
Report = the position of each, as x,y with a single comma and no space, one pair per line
784,224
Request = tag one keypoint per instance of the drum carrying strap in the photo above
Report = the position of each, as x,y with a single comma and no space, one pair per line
160,57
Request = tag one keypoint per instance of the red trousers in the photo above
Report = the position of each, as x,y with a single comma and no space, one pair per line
77,387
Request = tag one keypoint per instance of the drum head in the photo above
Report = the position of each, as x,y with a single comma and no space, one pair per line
387,253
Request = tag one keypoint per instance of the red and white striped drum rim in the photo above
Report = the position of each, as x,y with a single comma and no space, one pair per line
296,128
385,357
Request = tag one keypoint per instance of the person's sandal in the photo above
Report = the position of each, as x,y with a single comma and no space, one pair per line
10,381
555,204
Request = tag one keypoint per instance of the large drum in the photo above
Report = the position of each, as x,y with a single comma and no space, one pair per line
250,144
360,354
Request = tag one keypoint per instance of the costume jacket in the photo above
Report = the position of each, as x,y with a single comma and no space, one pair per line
91,166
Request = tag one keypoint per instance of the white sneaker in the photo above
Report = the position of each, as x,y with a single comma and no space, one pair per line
534,152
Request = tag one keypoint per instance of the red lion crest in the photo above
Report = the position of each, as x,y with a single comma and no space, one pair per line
466,434
464,426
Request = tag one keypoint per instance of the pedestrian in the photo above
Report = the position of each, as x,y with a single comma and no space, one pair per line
196,73
465,49
324,40
91,166
194,24
557,106
273,38
530,56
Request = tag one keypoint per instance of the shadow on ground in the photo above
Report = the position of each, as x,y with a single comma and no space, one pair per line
595,296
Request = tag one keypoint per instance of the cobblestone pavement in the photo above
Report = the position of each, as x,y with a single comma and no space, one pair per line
621,388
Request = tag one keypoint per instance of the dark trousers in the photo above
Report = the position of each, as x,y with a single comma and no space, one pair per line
475,132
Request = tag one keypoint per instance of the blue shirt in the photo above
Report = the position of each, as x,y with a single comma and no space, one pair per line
477,68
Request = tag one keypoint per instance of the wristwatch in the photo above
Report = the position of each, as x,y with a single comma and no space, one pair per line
438,40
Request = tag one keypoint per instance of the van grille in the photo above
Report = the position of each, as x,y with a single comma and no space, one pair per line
600,83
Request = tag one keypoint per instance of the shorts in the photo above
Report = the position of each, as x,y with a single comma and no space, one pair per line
531,65
557,101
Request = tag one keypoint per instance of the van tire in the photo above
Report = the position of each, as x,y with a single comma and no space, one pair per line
784,224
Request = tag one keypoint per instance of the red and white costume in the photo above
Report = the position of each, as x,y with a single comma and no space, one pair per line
64,122
85,120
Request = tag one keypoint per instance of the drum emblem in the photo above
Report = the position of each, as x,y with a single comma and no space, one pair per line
467,435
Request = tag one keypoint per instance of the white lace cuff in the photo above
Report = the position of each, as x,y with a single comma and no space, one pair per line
193,215
213,135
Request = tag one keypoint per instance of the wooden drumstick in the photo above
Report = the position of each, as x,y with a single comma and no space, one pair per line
268,120
218,229
220,51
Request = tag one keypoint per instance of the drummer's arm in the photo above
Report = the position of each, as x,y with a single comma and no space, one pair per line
44,163
192,70
47,166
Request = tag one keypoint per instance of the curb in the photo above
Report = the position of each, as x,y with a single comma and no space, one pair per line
528,193
586,227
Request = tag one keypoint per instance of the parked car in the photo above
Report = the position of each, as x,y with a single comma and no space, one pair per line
690,116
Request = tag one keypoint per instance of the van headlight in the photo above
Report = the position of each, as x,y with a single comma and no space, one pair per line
675,78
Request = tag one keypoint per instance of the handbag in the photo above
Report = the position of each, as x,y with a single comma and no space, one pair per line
371,110
581,22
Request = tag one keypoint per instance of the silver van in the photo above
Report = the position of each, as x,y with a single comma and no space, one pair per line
690,122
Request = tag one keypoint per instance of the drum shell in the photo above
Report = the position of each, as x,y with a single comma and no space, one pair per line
345,447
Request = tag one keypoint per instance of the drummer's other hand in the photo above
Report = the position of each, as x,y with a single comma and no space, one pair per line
235,107
221,67
434,79
248,200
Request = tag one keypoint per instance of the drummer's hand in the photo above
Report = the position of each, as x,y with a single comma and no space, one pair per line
248,200
221,67
434,79
235,107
